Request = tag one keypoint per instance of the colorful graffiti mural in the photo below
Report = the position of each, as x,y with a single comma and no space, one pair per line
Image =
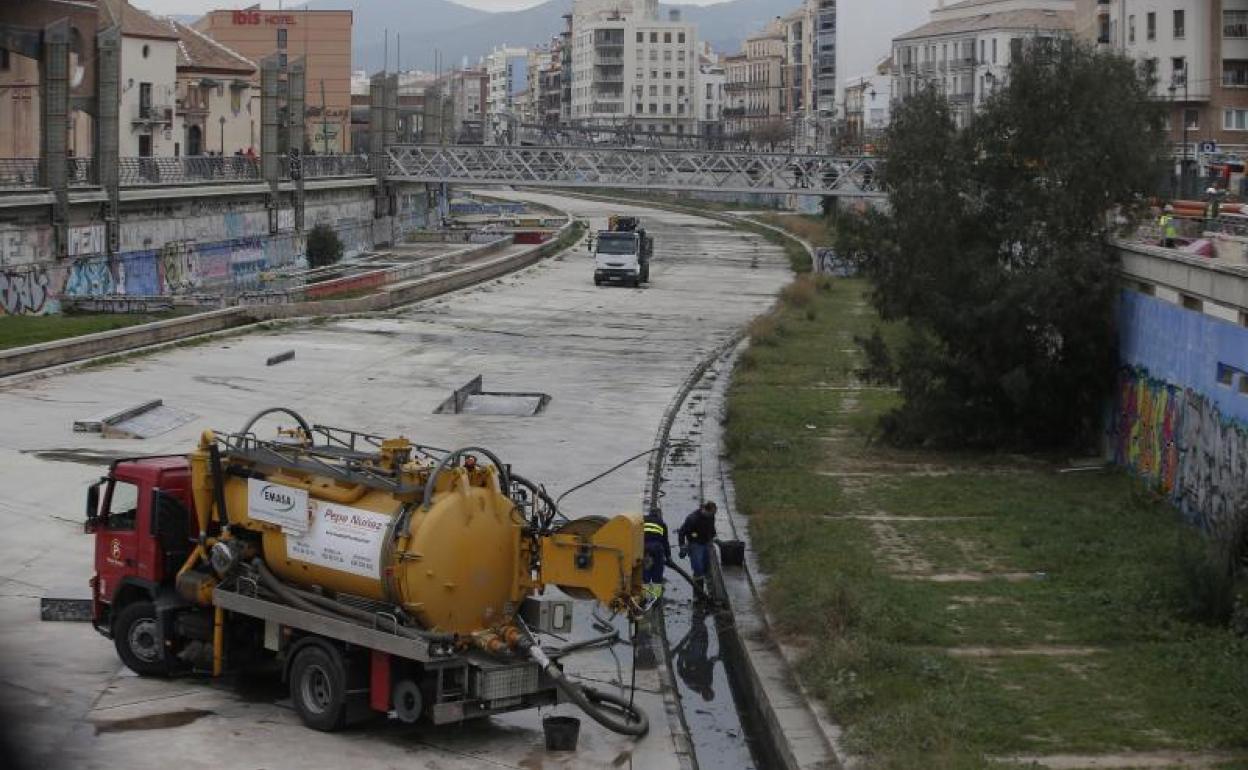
1184,447
27,292
1179,419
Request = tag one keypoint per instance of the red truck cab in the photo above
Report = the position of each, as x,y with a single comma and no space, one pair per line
142,517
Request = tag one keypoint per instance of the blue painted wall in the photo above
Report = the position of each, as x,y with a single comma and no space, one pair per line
1180,419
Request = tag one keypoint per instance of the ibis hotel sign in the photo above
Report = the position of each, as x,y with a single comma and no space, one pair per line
256,18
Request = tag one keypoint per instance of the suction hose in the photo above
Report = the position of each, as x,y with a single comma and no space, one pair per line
310,602
592,701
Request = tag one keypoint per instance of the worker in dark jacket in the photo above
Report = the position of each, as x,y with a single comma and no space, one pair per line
658,552
695,537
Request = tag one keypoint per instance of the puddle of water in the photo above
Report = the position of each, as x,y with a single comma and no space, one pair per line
161,721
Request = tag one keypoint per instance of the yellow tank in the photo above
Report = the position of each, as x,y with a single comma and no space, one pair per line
462,562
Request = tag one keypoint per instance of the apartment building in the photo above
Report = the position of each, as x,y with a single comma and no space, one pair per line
710,90
629,67
867,101
321,38
507,68
966,48
217,107
755,87
1198,52
823,55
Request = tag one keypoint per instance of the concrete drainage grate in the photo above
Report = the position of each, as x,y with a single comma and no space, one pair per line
471,399
143,420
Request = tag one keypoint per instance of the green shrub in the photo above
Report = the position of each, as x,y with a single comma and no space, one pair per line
324,246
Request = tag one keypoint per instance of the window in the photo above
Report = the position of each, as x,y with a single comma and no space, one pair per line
654,108
1016,49
123,505
641,37
1131,29
640,109
654,54
281,39
994,50
708,112
145,100
667,74
667,56
654,74
709,92
680,74
1235,24
1191,118
1150,24
4,60
680,90
680,109
147,50
982,45
654,90
281,60
654,37
667,37
667,90
680,38
1235,72
1178,70
667,109
1235,120
1180,25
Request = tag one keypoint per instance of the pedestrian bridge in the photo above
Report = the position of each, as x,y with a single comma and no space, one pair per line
638,168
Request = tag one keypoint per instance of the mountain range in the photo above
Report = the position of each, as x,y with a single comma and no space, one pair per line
461,34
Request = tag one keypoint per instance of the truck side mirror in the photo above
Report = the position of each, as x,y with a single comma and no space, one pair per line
93,507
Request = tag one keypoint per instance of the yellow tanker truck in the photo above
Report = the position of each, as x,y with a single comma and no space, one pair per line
383,576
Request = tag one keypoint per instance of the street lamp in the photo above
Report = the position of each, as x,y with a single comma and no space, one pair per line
222,120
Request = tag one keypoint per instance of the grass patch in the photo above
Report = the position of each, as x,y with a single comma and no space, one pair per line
848,531
16,331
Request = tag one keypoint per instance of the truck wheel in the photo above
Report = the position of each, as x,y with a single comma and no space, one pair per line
318,688
597,281
137,638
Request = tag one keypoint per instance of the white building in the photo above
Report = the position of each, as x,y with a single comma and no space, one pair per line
629,67
966,48
149,71
710,88
867,104
1198,52
508,70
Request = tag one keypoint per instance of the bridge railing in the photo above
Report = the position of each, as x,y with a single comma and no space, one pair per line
188,169
19,173
327,166
668,169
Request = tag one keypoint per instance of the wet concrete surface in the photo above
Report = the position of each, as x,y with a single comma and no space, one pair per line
698,631
610,358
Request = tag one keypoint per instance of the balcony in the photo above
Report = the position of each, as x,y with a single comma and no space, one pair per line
151,114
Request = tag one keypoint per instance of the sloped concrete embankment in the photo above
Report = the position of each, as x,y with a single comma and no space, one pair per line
61,352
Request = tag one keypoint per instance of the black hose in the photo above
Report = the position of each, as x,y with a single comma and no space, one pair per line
307,429
505,478
596,641
321,605
591,701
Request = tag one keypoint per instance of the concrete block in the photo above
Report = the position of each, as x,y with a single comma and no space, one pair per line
279,358
113,417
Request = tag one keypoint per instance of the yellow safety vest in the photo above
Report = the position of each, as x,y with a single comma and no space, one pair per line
1168,229
653,528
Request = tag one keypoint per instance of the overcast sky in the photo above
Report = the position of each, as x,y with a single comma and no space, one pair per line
200,6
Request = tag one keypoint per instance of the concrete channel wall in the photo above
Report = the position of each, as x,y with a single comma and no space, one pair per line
225,241
61,352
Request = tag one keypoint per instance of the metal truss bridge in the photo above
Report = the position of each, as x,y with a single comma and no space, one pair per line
634,168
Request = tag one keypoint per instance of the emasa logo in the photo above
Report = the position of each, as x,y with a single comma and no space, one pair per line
279,499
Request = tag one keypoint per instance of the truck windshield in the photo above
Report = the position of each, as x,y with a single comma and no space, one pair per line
622,243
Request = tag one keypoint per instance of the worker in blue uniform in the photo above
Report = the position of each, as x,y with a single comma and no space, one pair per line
658,552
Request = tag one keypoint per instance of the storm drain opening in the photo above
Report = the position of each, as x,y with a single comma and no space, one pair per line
471,399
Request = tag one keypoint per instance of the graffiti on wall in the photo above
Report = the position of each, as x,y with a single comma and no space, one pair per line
90,277
1179,441
86,240
28,292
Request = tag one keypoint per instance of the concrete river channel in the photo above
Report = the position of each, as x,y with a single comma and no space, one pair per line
613,363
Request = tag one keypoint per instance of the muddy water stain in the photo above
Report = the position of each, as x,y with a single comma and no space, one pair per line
161,721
